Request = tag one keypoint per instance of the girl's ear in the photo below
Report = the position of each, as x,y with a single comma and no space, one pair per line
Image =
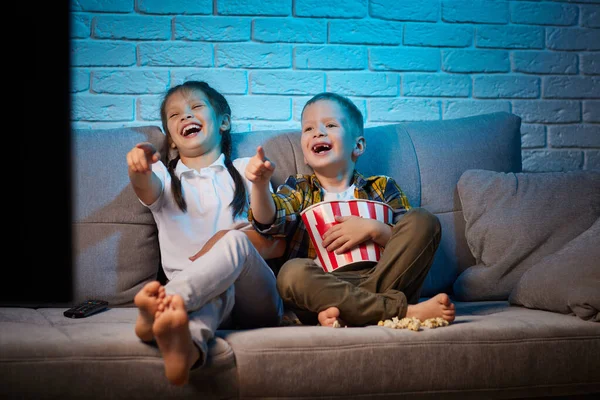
225,123
359,147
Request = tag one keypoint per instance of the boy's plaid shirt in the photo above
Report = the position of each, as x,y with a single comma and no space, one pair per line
302,191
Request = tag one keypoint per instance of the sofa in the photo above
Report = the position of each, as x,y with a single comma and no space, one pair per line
509,340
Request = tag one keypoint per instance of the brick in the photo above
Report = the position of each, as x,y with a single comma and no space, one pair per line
101,108
286,82
81,26
475,11
506,86
571,87
226,81
436,85
102,54
405,10
572,39
148,108
404,59
574,135
438,35
215,29
331,8
298,103
80,80
132,27
591,160
270,108
590,63
365,32
105,6
330,57
254,7
175,7
509,37
468,108
544,62
253,55
591,111
532,136
590,16
129,82
176,54
547,111
400,109
544,13
290,30
363,83
275,125
552,161
240,128
475,61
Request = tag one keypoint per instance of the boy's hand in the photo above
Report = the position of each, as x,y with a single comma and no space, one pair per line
141,157
350,232
260,168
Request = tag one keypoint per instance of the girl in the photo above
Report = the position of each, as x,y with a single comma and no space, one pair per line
200,200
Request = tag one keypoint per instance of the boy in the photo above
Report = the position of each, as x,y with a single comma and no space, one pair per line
332,140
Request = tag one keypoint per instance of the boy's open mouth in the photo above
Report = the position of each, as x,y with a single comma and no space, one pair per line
191,130
321,148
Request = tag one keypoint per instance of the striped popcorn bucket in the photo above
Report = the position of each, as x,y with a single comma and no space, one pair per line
319,217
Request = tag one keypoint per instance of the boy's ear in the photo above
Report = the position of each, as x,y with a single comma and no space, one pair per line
359,147
225,123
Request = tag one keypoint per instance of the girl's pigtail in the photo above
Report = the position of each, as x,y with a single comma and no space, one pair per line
238,204
176,185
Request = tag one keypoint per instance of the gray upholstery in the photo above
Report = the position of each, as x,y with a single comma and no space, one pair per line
566,281
515,219
492,350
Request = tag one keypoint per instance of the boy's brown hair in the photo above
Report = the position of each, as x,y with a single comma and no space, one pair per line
352,112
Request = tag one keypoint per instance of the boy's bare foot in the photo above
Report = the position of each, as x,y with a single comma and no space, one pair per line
328,317
147,301
171,330
437,306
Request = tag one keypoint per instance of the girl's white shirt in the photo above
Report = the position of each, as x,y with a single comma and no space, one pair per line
207,194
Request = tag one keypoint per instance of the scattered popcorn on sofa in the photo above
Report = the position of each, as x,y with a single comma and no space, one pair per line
412,323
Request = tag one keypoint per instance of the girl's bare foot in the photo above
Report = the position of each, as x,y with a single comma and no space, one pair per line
171,330
437,306
147,301
328,317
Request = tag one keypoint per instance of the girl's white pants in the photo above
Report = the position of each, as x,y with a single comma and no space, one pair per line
231,279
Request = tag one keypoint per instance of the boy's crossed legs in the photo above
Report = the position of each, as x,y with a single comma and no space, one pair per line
363,298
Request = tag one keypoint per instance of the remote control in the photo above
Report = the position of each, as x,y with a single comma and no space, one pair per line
86,309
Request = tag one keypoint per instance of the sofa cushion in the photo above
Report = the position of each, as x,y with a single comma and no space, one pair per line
45,355
514,220
567,281
492,350
115,240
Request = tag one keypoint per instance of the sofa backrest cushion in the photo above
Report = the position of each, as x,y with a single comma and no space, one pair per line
115,239
115,242
426,158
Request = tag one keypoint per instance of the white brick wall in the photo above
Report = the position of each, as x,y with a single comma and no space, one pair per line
399,60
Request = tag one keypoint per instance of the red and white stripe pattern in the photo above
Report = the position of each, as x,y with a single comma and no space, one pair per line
320,217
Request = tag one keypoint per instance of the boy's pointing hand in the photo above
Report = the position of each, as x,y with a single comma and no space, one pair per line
260,168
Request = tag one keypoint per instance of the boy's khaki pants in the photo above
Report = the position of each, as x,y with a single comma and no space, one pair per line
366,295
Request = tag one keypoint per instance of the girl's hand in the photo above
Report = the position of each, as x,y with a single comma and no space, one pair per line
260,169
351,232
141,157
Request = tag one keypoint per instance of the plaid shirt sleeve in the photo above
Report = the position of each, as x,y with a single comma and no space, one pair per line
385,189
289,200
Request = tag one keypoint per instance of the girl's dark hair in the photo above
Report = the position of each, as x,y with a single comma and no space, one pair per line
221,107
352,112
